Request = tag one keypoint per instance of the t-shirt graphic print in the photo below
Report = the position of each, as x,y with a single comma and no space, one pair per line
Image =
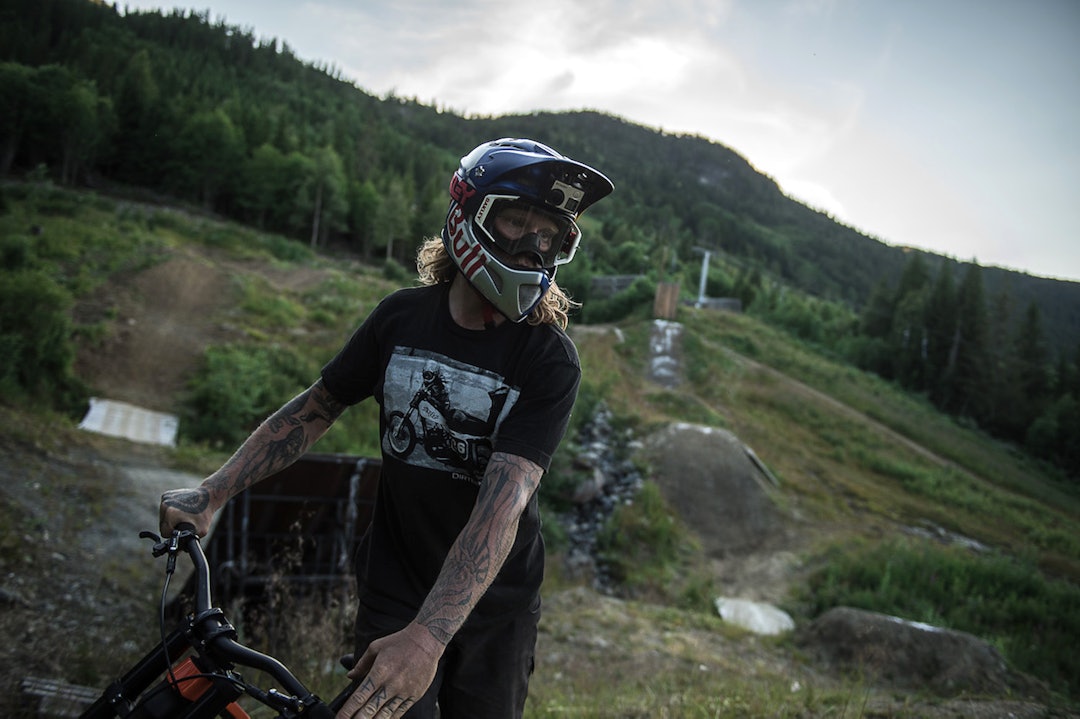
442,414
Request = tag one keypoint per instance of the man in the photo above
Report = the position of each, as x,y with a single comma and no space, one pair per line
476,379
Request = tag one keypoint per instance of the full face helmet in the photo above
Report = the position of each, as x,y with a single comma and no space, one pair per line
511,222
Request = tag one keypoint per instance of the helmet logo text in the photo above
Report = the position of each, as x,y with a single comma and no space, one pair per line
470,258
460,191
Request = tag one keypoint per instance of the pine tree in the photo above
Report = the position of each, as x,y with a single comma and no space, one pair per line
966,394
1029,372
941,322
907,339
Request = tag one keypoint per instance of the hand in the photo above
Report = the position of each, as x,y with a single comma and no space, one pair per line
185,505
396,672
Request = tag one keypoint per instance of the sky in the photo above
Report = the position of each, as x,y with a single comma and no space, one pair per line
948,125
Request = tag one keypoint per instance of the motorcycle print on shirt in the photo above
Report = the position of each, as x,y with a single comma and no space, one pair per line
442,414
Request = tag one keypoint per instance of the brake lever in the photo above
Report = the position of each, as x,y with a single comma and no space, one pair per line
160,547
168,546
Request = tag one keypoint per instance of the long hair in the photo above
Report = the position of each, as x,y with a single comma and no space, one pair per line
434,266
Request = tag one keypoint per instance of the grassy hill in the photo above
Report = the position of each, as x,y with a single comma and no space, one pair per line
171,308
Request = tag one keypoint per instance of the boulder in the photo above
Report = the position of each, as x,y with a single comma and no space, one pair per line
709,479
904,654
756,617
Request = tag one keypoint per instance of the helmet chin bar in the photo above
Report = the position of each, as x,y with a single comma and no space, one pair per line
514,293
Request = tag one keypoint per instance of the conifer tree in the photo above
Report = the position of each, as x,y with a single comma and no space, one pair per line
941,321
1029,372
966,393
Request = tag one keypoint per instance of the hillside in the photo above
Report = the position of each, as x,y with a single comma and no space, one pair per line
858,463
179,104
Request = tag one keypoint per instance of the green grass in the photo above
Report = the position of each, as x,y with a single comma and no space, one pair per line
968,483
1031,619
651,553
867,481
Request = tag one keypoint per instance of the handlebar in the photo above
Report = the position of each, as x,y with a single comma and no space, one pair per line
212,636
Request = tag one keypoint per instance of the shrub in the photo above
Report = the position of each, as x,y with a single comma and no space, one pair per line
236,388
645,546
635,300
35,339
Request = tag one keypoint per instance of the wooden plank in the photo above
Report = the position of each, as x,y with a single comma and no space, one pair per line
55,698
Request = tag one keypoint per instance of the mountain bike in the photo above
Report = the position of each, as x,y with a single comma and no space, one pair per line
192,672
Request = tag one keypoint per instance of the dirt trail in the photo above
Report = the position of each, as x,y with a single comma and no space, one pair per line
165,319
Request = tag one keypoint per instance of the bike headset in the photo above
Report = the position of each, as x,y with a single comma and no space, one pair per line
535,187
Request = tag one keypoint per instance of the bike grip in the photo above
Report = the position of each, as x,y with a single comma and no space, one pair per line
184,526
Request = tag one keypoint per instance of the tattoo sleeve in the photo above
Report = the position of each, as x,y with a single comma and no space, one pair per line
482,546
277,442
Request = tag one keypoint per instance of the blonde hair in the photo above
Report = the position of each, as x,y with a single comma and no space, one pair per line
435,266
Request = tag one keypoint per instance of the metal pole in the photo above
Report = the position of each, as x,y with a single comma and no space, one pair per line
704,274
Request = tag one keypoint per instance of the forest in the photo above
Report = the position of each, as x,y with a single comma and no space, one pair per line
178,109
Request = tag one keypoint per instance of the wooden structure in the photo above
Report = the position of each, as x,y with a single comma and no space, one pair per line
666,304
299,527
55,698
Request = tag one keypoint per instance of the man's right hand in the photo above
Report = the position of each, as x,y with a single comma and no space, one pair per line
185,505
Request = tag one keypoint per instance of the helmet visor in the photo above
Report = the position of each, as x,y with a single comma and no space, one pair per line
528,234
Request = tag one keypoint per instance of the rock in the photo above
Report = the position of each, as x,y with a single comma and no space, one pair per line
12,598
590,489
611,483
707,476
905,654
757,617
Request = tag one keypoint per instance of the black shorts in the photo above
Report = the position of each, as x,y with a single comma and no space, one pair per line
484,673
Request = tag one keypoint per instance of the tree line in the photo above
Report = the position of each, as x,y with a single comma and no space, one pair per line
207,114
978,356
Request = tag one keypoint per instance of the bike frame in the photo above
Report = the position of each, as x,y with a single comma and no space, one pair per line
199,660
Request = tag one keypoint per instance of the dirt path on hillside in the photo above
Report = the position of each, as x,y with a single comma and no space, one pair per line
164,318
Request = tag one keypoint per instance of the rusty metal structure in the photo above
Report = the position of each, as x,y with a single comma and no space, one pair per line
297,528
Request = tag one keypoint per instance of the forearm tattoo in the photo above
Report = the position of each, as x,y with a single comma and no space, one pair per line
280,440
483,545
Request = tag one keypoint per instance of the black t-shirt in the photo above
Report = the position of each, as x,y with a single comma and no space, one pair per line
449,398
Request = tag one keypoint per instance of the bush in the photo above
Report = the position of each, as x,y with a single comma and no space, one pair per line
636,300
35,339
16,252
645,546
236,388
285,249
397,272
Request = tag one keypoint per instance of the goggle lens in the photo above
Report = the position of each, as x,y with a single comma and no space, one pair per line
519,228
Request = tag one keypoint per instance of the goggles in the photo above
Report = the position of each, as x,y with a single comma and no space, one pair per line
519,228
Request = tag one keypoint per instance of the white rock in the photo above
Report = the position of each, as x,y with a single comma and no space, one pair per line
756,617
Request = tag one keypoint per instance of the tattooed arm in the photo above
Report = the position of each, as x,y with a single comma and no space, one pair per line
275,444
396,670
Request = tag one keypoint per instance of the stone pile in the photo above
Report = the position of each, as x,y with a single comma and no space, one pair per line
613,480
